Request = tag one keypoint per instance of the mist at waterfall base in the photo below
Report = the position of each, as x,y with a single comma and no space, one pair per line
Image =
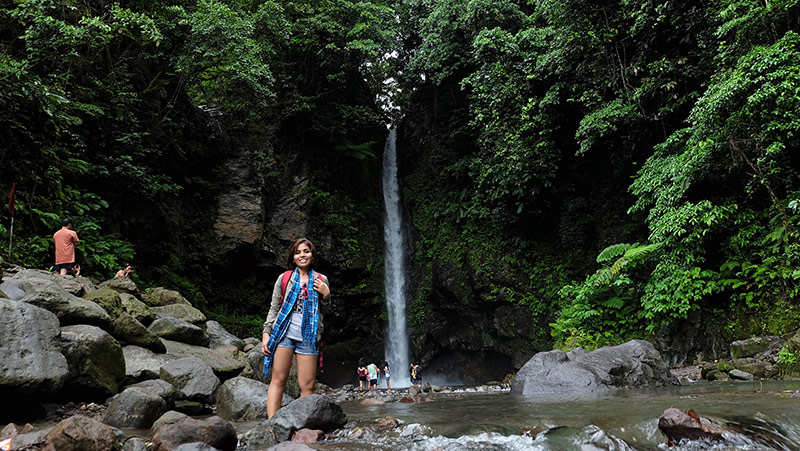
396,339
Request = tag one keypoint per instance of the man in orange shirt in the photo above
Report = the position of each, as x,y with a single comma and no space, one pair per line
66,240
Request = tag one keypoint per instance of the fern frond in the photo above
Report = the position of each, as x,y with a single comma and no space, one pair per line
637,252
615,250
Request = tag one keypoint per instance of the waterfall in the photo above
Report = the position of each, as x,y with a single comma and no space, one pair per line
396,343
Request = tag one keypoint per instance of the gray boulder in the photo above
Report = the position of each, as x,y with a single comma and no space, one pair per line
754,346
224,366
80,433
633,364
170,417
76,286
121,285
142,364
96,362
134,408
178,330
218,336
213,431
136,308
108,299
130,331
31,363
40,288
740,375
193,379
134,444
311,412
161,296
242,399
180,311
160,387
195,446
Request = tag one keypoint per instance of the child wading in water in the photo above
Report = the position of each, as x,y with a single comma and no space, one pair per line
294,325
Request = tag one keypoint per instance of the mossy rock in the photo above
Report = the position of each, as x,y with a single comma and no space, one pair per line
725,367
136,309
158,297
3,295
716,375
707,368
108,299
794,342
753,346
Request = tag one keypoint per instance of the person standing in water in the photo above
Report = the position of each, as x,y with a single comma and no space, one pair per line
294,324
386,374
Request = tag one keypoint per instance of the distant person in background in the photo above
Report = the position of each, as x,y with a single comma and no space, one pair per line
65,240
362,375
373,372
124,272
416,375
386,374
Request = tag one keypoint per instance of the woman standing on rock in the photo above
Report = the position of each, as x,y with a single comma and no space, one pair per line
294,325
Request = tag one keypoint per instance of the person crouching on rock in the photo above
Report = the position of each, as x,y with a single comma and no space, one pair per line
294,324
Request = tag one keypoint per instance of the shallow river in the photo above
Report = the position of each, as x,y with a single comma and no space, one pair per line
758,417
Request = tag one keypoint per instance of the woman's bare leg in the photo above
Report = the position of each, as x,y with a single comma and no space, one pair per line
306,373
281,364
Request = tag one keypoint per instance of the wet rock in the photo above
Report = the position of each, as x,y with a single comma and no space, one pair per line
108,299
262,436
716,375
372,402
193,408
178,330
96,362
414,390
121,285
130,331
34,440
80,433
134,444
40,288
158,297
308,436
291,446
677,425
241,399
413,399
193,379
753,346
632,364
388,422
172,416
184,312
196,446
142,364
134,408
136,308
31,364
224,366
213,431
740,375
160,387
312,412
221,337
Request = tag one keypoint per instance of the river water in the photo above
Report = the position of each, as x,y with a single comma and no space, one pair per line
758,416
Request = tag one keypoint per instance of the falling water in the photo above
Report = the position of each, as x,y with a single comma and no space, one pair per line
396,345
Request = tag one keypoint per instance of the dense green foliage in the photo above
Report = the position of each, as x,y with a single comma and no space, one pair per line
536,135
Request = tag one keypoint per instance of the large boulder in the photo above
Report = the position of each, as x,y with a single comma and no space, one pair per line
180,311
213,431
96,362
77,286
40,288
135,408
242,399
161,296
632,364
136,308
160,387
193,379
80,433
224,366
142,364
130,331
178,330
754,346
108,299
312,412
218,336
31,363
121,285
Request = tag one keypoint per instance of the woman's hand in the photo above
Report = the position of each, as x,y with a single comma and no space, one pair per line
321,287
264,342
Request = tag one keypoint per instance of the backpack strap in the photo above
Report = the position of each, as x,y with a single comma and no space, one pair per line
284,283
